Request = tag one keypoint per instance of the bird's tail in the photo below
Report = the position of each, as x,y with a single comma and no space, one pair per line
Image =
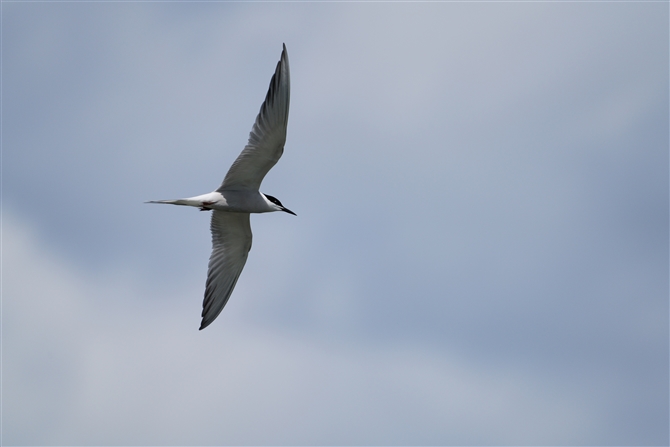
186,202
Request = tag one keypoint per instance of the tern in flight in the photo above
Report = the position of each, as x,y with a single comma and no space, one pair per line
238,195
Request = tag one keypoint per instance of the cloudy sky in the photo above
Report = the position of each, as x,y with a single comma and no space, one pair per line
480,254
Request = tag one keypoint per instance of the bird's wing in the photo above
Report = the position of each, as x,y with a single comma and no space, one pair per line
267,137
231,242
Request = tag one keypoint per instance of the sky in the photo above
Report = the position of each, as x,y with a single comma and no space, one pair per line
479,257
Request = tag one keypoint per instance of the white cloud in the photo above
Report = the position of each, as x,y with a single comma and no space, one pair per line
92,361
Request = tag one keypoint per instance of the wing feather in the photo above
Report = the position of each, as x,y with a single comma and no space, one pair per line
267,137
231,242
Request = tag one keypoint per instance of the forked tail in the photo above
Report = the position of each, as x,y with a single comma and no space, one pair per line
174,202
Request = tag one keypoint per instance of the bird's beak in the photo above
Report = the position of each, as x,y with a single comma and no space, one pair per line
288,211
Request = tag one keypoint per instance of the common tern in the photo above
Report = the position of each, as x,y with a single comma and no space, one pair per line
239,195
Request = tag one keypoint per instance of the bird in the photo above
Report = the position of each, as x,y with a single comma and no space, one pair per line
239,195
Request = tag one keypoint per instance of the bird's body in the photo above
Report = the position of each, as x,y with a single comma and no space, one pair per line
238,195
231,201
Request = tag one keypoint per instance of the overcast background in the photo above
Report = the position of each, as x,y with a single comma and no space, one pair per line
480,254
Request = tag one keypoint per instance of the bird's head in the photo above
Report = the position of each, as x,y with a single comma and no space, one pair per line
276,204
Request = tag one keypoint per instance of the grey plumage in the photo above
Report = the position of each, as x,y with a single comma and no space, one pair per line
238,195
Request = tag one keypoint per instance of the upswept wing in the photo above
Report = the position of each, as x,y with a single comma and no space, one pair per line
231,242
267,137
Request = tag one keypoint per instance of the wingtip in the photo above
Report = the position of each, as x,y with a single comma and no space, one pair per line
206,322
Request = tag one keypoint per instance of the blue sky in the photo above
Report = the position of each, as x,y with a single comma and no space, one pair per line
480,254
